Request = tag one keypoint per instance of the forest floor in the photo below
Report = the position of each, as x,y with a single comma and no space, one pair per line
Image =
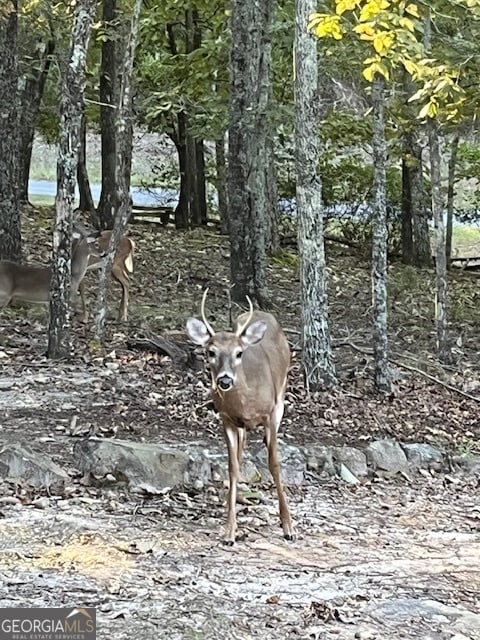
152,565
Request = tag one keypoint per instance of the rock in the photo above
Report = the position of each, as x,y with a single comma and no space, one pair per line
320,459
423,455
352,458
136,463
35,469
387,455
293,463
408,608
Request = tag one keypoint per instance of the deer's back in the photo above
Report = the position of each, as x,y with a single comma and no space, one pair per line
266,364
24,282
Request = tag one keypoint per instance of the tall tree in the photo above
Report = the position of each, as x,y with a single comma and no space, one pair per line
108,99
34,71
10,235
317,353
71,109
122,196
382,374
415,232
247,157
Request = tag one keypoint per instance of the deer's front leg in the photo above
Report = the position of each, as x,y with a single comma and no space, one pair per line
235,448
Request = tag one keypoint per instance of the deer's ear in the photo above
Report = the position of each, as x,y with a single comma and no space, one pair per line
197,331
253,333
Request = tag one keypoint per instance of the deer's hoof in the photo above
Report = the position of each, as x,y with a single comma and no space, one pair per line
290,537
227,543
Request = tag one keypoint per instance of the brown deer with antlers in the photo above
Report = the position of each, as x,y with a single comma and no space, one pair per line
249,369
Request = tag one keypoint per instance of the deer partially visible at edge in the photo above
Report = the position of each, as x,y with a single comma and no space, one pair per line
249,369
31,283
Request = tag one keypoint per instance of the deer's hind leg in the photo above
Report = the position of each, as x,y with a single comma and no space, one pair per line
271,430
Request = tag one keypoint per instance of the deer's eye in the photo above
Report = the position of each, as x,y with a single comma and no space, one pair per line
211,354
238,355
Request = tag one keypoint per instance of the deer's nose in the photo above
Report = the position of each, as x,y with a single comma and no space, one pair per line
225,382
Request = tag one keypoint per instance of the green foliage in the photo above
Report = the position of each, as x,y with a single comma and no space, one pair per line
172,78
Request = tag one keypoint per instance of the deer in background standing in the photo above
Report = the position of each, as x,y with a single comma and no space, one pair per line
249,369
31,283
122,270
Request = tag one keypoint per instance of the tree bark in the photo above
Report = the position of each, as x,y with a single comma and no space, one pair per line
71,109
122,194
382,373
249,95
31,94
221,184
441,301
319,370
10,234
452,165
86,202
107,205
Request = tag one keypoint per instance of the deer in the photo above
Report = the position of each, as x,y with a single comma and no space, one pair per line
122,270
31,283
248,368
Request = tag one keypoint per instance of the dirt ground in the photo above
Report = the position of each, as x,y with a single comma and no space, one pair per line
153,565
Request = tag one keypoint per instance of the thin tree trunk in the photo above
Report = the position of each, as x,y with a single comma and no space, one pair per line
452,165
441,302
319,370
221,184
85,193
272,239
71,109
201,189
122,195
10,235
108,98
31,94
247,157
379,251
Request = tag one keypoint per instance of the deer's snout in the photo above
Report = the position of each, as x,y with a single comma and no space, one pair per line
225,382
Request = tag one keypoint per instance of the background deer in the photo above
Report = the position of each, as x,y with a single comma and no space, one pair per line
30,283
249,375
122,269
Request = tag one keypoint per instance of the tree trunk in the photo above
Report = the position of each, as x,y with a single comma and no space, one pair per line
85,193
107,205
441,302
71,109
379,251
221,184
249,94
201,188
10,235
319,370
272,237
31,94
123,194
452,165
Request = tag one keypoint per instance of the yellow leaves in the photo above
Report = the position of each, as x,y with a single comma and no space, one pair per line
430,109
412,10
365,30
325,25
383,41
371,9
406,23
345,5
375,65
